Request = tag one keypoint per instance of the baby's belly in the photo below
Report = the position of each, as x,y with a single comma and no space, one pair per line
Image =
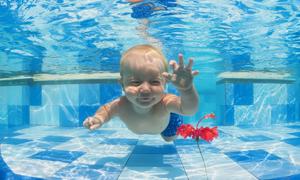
147,127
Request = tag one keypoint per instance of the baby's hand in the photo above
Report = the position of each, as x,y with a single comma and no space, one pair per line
92,123
182,76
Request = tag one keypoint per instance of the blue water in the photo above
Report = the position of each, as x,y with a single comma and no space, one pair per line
41,131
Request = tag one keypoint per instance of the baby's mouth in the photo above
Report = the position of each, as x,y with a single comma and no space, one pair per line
145,99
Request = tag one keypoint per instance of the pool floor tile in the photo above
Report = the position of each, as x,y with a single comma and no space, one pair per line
154,160
58,155
117,154
120,141
56,139
83,171
155,149
295,134
263,164
14,141
255,138
294,126
293,141
193,149
118,160
251,156
269,169
151,173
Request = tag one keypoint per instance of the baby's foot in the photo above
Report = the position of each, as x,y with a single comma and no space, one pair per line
169,138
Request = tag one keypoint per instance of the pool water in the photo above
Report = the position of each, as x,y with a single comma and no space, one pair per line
60,61
43,152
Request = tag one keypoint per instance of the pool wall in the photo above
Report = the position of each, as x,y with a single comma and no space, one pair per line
56,105
257,104
67,105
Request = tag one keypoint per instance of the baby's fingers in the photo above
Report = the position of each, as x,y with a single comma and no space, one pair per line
189,66
86,122
180,62
174,65
167,76
95,126
195,73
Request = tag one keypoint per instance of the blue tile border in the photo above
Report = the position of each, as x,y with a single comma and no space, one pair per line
243,93
35,96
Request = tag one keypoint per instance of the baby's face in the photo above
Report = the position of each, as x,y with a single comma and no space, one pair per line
142,80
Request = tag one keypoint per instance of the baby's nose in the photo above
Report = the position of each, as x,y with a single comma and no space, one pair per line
145,87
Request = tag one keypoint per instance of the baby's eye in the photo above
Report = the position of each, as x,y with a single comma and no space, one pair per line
155,82
134,83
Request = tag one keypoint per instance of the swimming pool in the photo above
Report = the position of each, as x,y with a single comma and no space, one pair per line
59,61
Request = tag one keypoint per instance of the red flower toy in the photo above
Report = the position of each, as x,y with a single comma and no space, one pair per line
205,133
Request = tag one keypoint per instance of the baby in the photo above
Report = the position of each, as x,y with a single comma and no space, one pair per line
146,108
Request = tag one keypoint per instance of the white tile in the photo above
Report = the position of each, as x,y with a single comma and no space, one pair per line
60,94
14,152
44,115
252,115
94,147
264,94
17,159
35,167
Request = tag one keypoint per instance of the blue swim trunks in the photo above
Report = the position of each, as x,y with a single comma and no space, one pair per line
142,10
175,121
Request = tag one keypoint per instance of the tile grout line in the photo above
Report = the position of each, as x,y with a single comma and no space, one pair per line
181,163
127,159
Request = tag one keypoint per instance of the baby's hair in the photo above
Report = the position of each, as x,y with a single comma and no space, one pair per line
147,49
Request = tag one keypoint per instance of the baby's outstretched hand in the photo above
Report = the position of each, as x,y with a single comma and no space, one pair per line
92,123
182,76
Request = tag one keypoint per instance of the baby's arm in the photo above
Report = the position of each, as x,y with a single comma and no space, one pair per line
102,115
182,79
186,104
